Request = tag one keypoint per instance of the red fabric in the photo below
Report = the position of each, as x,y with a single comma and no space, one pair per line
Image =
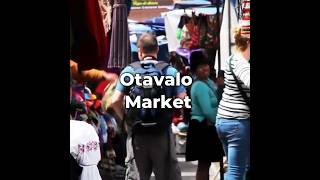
89,103
90,43
97,104
195,38
101,86
177,119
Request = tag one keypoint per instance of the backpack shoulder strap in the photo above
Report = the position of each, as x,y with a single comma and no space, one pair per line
135,65
161,65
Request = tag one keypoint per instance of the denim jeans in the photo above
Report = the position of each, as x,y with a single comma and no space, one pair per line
235,137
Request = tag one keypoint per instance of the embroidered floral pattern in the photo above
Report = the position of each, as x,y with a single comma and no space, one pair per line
90,146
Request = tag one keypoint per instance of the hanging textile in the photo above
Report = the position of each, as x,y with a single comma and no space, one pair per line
245,19
120,51
89,48
195,32
209,40
106,12
187,29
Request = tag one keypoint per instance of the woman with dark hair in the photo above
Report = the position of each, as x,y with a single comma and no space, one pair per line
203,143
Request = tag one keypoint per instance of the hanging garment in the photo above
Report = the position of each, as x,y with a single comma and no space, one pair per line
203,29
85,149
90,43
120,51
209,36
195,32
186,32
185,38
212,33
183,20
106,12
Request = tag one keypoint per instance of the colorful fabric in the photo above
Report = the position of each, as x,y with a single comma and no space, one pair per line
89,49
245,20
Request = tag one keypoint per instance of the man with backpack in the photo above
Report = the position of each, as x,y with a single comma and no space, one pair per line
150,128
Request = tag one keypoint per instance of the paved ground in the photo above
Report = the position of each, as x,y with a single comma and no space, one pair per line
188,169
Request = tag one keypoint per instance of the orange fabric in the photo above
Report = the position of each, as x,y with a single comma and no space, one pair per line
90,75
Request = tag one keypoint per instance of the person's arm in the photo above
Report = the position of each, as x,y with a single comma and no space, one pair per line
120,89
91,75
117,97
201,93
97,75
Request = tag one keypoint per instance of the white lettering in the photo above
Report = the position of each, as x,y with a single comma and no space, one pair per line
183,80
155,102
147,103
165,102
130,103
147,81
138,79
123,82
169,81
178,79
159,81
177,103
187,102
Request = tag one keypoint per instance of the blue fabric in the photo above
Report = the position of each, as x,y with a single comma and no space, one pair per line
204,104
235,137
103,128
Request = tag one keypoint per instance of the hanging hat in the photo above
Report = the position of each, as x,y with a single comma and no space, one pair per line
198,58
90,96
245,20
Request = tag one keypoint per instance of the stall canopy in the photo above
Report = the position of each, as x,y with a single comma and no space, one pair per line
190,3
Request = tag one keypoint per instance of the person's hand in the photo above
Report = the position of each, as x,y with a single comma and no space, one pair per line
208,122
220,81
112,132
110,77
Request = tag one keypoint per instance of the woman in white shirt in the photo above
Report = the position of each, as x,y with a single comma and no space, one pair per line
84,147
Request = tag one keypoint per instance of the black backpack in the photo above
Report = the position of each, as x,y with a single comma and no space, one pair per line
148,120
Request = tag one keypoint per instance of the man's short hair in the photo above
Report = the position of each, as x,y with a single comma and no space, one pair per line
148,43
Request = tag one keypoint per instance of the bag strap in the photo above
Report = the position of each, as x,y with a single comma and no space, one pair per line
161,65
135,65
243,94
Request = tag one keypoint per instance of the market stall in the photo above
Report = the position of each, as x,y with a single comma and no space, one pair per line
229,13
